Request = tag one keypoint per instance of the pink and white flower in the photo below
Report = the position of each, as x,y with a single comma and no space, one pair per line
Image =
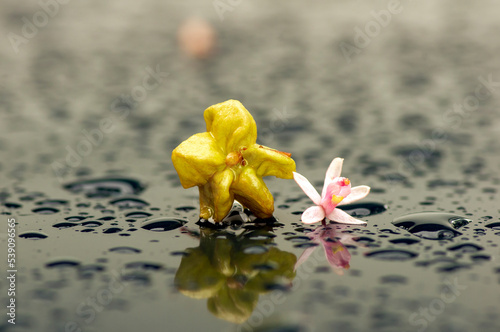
336,191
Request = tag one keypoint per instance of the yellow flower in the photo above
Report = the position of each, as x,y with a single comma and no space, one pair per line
231,279
226,163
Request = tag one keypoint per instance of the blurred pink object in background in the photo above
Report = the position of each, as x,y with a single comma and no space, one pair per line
197,38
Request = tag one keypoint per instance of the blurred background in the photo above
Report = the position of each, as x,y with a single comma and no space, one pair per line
66,65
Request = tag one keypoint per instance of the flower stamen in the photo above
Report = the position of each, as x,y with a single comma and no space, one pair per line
337,199
233,158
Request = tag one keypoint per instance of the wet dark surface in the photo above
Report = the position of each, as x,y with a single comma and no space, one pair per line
109,241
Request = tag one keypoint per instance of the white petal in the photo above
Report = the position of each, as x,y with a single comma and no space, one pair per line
332,172
305,255
307,187
313,214
340,216
356,194
334,169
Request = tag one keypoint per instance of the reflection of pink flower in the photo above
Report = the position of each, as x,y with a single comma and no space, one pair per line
336,191
336,253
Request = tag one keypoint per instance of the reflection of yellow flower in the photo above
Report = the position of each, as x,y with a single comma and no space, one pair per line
226,163
222,271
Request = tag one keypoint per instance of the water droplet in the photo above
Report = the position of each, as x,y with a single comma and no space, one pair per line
256,236
52,202
144,266
255,250
33,235
437,260
494,225
404,240
162,224
185,208
305,245
391,254
106,187
45,210
364,240
466,247
108,218
75,218
480,258
137,277
88,271
125,250
63,262
11,205
138,214
387,230
432,225
112,230
393,279
458,222
298,239
363,209
92,223
453,267
129,203
31,196
62,225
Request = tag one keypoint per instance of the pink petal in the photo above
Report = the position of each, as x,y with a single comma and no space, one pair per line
307,187
357,193
333,171
337,254
326,199
345,190
335,187
340,216
313,214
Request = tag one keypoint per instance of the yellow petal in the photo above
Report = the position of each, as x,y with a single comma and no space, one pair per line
216,199
222,257
231,125
251,191
197,159
233,305
206,201
267,161
223,197
196,277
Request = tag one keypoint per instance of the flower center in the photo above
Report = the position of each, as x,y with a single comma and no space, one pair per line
344,184
233,158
